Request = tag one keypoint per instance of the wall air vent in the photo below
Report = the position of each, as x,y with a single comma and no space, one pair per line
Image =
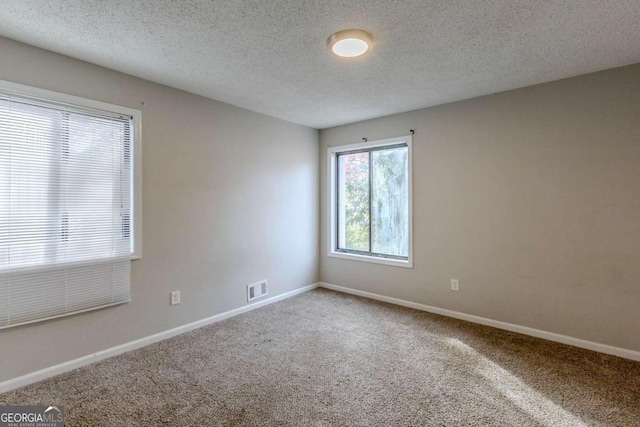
257,290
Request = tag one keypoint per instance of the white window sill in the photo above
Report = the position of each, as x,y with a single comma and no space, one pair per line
373,259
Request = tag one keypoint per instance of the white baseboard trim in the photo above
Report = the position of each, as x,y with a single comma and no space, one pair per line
550,336
51,371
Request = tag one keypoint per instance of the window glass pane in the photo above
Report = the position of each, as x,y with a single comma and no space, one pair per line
5,178
95,194
353,201
390,202
30,180
65,187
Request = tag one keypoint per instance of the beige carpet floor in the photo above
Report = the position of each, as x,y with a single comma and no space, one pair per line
329,359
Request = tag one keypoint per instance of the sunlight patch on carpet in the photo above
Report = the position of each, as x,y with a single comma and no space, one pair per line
532,402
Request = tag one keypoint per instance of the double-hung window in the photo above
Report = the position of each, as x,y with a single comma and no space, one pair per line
69,203
370,201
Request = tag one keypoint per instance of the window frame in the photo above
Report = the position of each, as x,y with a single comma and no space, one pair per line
332,214
45,96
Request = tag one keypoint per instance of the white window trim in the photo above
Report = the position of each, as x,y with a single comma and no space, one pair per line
332,153
48,95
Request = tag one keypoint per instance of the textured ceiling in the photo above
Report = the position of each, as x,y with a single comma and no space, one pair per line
271,57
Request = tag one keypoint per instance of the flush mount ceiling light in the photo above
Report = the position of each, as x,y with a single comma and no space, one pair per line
350,43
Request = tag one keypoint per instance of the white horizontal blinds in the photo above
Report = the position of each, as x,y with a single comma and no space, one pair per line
65,209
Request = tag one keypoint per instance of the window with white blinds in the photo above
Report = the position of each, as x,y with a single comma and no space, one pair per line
66,207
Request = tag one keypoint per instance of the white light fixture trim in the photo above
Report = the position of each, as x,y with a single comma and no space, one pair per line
350,43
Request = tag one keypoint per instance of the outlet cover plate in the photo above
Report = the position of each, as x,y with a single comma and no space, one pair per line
175,297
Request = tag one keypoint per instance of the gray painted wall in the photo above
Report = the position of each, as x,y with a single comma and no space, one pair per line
531,198
229,197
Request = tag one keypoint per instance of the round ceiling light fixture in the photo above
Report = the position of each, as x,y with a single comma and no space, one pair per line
350,43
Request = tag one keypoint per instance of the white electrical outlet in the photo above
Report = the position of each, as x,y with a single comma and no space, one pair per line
175,297
455,285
